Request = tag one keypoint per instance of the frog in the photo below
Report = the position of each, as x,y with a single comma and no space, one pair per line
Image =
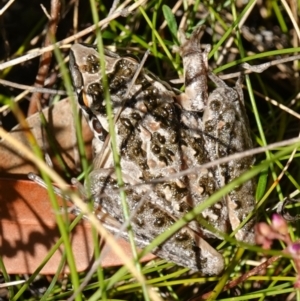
159,134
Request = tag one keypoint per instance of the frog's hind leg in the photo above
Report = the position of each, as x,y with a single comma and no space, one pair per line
195,65
217,80
221,84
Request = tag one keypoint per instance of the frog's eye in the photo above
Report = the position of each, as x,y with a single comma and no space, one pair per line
97,128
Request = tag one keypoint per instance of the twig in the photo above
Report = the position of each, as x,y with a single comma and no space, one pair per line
45,60
68,40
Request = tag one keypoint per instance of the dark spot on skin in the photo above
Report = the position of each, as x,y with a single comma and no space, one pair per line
155,91
238,203
208,127
161,138
141,210
136,151
163,113
155,148
127,72
181,236
222,153
182,134
92,64
139,222
150,104
95,90
183,206
127,123
226,126
112,181
144,166
169,154
136,116
159,221
215,105
173,138
217,209
163,159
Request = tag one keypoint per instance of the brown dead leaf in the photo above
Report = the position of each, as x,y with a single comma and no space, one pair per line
29,231
62,131
28,226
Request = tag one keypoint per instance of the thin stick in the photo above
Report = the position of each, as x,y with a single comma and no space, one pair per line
31,89
62,43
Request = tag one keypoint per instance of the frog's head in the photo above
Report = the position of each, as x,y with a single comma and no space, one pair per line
87,80
87,76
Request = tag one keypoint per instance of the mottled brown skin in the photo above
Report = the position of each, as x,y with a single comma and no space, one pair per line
160,134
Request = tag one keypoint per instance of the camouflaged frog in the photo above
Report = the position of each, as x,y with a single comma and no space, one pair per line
159,134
